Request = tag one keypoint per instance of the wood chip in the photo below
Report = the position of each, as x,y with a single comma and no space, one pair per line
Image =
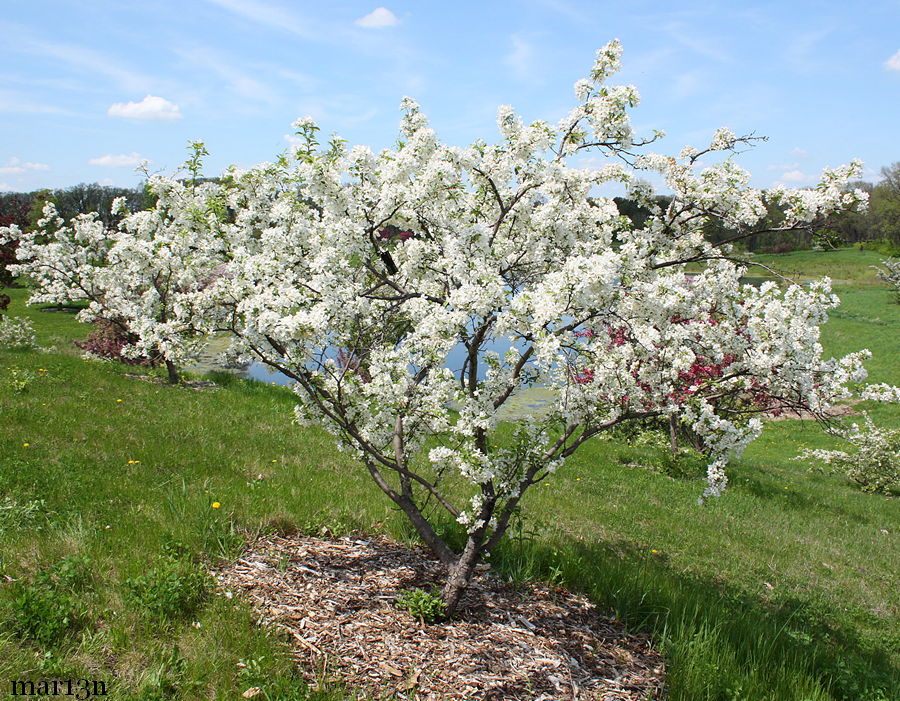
508,643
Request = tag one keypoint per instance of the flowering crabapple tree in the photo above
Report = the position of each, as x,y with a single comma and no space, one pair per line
357,274
139,276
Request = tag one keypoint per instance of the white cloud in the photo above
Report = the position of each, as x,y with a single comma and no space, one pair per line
893,63
521,58
120,160
784,166
379,17
794,176
151,108
324,31
294,141
17,165
5,187
797,157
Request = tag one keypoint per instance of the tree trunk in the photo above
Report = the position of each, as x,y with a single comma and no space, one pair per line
459,576
173,372
673,436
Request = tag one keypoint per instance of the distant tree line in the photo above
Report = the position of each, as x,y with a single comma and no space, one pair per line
882,221
24,208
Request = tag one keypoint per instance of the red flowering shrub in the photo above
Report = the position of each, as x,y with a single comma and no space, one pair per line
107,341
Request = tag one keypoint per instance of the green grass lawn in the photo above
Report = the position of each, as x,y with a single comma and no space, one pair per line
783,588
845,264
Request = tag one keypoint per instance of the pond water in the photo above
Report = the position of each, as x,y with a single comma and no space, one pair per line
534,401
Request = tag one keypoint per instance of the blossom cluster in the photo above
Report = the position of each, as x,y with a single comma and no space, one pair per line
140,275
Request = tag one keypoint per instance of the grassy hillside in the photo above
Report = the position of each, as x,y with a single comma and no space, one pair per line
781,589
843,264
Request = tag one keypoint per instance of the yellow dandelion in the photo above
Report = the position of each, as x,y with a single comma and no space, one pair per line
275,461
118,400
654,551
216,505
25,445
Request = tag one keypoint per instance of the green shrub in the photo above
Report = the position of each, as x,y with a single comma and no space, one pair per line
173,589
885,247
48,608
424,605
650,448
45,615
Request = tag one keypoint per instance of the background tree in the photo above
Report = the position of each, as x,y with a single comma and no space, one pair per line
84,198
14,208
885,204
139,275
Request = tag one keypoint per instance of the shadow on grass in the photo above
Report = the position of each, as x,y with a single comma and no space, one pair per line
720,644
797,500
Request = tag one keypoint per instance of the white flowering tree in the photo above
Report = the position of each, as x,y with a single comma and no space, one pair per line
140,275
360,275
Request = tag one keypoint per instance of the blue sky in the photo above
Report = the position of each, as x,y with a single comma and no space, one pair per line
89,88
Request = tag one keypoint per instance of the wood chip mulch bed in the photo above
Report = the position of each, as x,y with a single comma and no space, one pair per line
336,599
